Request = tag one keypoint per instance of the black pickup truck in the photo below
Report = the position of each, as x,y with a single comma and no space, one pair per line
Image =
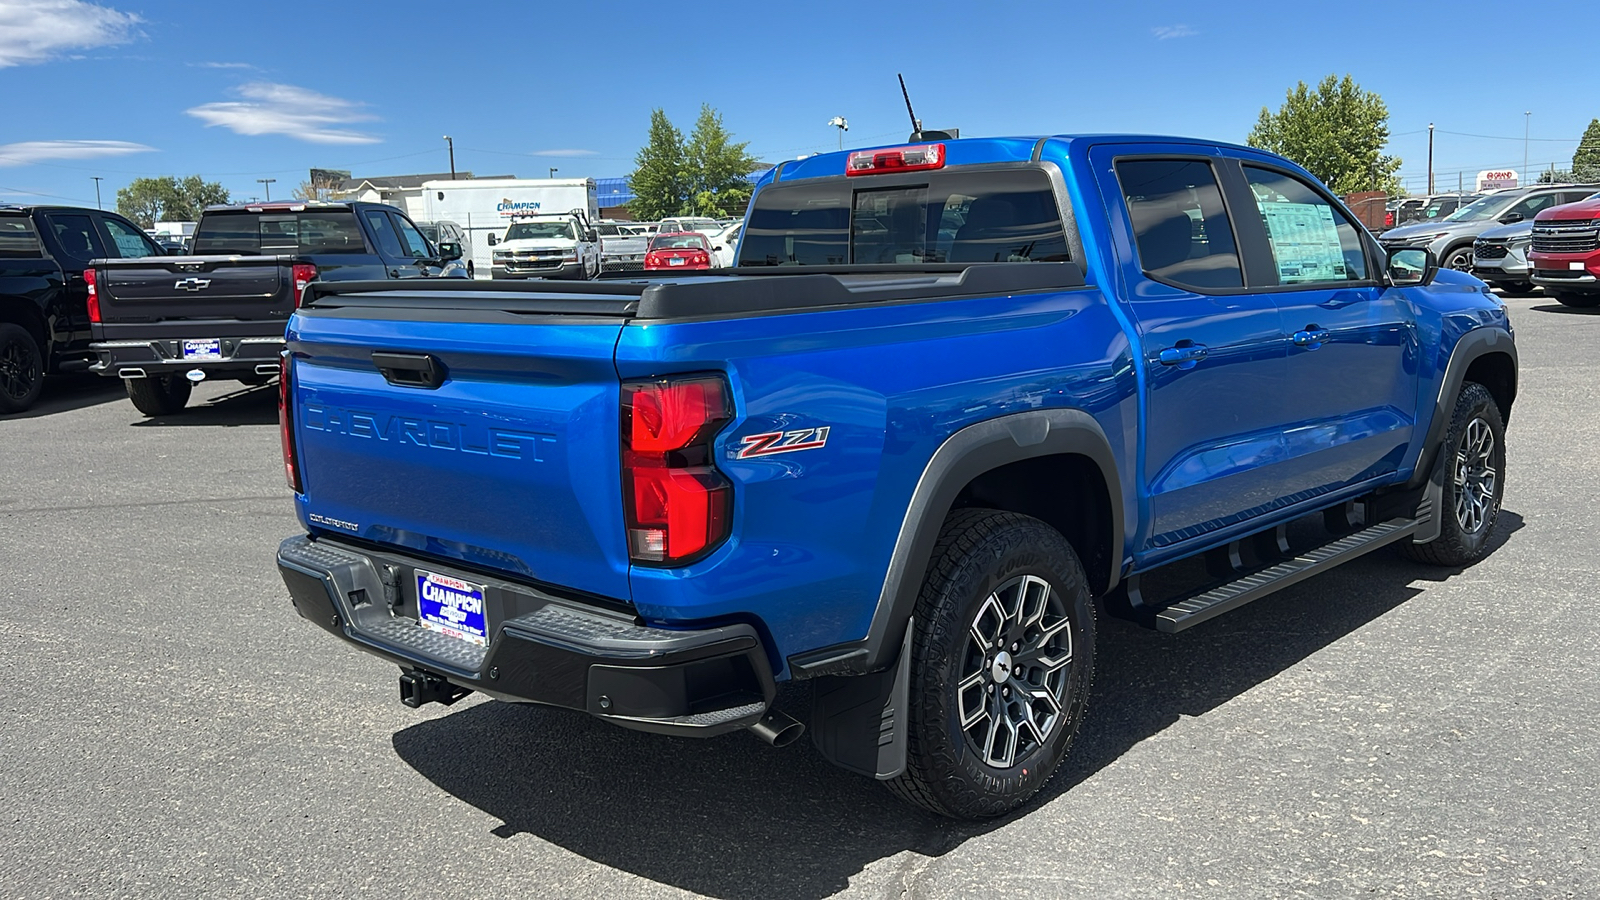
44,316
165,323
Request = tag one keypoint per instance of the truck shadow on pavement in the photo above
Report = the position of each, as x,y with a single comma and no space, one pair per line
65,393
243,406
733,818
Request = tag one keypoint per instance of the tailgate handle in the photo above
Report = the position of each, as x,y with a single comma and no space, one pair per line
410,369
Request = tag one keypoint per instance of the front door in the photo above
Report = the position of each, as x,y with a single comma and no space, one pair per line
1353,346
1213,352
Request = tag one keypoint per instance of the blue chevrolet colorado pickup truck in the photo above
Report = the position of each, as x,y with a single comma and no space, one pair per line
953,397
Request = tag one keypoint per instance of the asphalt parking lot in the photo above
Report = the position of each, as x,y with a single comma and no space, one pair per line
170,727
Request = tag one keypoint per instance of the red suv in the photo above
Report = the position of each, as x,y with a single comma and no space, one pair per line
1566,252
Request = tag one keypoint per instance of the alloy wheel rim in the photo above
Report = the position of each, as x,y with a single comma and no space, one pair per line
1014,671
1476,479
16,370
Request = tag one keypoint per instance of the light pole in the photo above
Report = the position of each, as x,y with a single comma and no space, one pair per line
268,182
553,171
843,126
449,142
1527,117
1430,158
97,180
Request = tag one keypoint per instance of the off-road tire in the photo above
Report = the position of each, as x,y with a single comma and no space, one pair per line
1577,300
978,552
159,395
1457,544
21,368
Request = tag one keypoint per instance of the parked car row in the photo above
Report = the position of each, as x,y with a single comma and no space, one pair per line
1451,237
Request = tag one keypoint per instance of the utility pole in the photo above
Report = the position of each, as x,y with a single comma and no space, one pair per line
452,145
1430,157
1526,118
268,182
553,171
97,180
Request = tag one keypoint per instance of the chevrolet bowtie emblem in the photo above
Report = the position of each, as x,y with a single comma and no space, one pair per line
193,284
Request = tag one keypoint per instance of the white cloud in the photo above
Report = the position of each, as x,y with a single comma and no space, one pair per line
1168,32
38,151
563,153
285,109
32,31
222,65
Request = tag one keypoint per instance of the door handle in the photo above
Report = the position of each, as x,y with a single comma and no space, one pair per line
1311,338
1184,356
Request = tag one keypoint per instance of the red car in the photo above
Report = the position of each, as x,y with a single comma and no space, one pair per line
1566,252
678,250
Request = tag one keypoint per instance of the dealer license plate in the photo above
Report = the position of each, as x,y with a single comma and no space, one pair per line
202,348
676,261
451,607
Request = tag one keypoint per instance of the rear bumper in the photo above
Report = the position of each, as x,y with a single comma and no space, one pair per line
141,358
542,649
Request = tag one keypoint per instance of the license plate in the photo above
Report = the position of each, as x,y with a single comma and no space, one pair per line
451,607
202,348
1576,267
676,261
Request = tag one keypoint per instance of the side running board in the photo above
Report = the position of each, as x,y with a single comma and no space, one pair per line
1194,610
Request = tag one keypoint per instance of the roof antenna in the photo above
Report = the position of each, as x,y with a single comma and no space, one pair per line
916,124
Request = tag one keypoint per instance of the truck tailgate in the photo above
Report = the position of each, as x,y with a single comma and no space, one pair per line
511,463
166,288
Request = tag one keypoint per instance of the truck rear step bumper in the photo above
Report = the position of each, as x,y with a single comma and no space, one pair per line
542,649
242,355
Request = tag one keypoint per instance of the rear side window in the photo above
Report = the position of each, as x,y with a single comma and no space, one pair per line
955,217
251,234
17,240
1179,223
77,236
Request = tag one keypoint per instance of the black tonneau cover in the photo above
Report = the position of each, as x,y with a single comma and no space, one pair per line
725,292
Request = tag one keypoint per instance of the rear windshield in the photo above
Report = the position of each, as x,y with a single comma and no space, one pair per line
953,217
694,241
253,233
17,240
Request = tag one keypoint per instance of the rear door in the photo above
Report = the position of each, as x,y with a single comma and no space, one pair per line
508,459
74,240
1353,346
1213,349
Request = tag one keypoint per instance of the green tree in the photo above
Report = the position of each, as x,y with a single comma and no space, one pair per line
1586,161
1337,132
659,180
168,199
716,167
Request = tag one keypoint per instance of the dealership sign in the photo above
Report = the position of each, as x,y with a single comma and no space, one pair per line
1495,179
508,208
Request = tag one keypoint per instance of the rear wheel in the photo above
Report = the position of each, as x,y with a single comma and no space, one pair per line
21,368
1576,300
159,395
1001,662
1474,482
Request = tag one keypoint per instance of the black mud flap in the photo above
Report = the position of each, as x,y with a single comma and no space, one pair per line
858,722
1432,506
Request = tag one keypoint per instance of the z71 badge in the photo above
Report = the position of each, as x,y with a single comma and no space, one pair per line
774,442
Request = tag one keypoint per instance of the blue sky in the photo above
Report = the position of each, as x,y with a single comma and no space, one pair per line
237,92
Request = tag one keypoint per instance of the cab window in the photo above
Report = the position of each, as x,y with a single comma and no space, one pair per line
77,236
129,243
1311,241
1179,223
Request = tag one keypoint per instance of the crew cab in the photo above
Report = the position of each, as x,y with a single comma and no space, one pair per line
1566,253
549,245
164,324
44,300
954,395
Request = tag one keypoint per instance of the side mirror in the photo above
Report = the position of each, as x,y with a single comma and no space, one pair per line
592,236
493,239
176,251
1511,218
1412,267
449,250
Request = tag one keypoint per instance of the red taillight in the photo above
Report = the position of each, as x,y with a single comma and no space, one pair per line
291,465
899,159
304,274
94,296
677,503
1388,219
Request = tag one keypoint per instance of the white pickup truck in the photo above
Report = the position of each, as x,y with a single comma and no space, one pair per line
555,245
